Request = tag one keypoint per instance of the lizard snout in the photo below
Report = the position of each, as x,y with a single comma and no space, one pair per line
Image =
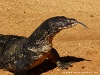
75,22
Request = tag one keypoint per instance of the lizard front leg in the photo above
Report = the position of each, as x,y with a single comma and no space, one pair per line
55,58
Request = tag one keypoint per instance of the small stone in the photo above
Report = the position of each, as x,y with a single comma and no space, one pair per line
91,16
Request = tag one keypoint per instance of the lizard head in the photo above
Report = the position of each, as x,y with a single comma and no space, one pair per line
61,22
53,25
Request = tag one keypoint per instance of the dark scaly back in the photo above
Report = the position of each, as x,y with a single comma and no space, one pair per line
6,41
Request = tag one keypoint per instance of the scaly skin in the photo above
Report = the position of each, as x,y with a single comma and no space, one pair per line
20,54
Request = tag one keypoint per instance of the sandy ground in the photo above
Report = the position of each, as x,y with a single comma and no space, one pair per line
22,17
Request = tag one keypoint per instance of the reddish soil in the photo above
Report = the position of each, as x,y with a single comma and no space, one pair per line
22,17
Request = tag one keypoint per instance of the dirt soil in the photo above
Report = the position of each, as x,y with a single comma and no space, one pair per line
22,17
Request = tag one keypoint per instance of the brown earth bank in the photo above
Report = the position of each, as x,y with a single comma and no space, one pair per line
22,17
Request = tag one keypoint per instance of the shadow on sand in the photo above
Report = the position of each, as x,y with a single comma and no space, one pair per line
48,65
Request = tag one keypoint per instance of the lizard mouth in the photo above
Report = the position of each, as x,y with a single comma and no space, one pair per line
74,24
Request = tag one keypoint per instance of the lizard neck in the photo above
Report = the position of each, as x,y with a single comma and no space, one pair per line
43,34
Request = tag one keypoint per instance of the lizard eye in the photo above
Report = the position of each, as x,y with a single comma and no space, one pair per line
60,21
